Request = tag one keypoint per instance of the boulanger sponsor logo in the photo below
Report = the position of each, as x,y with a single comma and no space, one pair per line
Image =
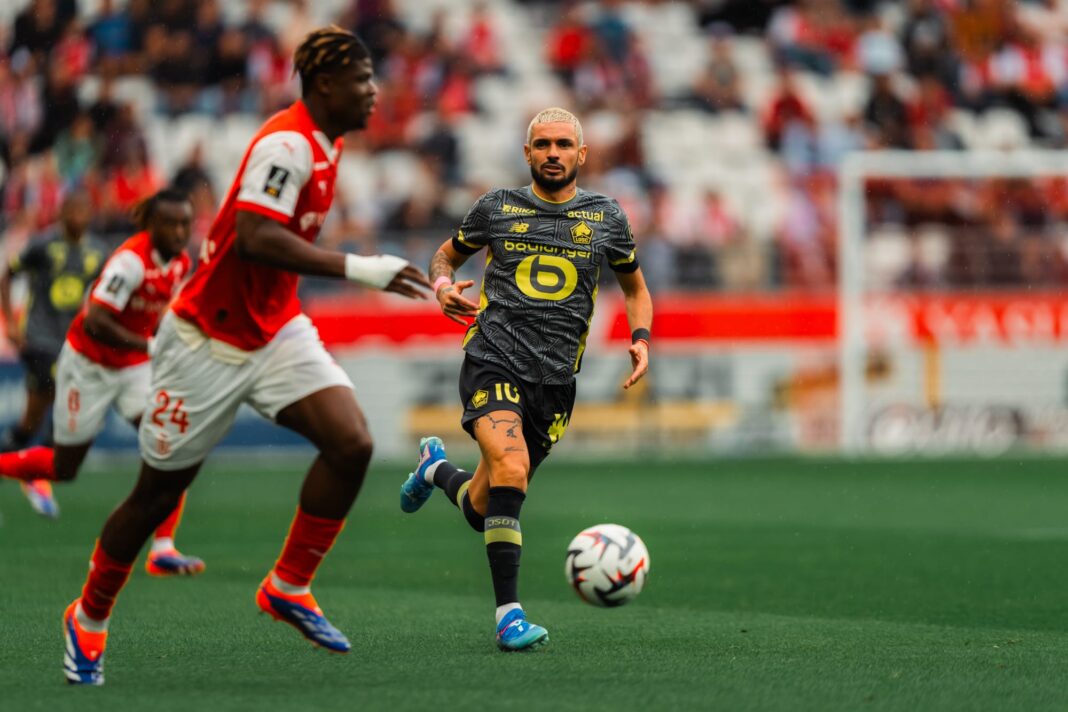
517,246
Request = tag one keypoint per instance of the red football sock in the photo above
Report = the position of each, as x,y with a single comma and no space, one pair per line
106,578
170,524
308,541
33,463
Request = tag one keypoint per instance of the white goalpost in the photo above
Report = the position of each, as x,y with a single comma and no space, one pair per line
854,171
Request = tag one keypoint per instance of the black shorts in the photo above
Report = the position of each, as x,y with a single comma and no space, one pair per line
545,409
40,369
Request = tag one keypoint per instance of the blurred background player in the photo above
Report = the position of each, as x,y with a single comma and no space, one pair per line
517,383
60,265
105,360
236,335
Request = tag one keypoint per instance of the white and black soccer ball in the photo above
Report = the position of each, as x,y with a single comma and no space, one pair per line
607,565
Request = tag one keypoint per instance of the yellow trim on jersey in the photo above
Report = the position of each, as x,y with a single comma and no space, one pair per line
593,307
483,301
510,536
623,260
465,243
554,202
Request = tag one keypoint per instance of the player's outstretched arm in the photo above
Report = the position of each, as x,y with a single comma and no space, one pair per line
11,327
639,304
261,239
443,266
102,325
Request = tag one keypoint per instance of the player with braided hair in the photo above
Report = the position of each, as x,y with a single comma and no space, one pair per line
236,335
104,361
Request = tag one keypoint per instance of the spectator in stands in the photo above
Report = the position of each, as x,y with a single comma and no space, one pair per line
786,111
927,116
718,87
77,151
37,29
886,115
569,43
806,235
127,184
177,74
227,76
60,97
925,39
611,30
1002,243
481,43
380,26
73,51
122,137
20,103
111,33
798,33
1023,75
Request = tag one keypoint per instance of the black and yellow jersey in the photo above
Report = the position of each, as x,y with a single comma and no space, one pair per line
59,272
540,281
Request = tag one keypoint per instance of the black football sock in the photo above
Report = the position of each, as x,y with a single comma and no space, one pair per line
451,478
504,541
455,482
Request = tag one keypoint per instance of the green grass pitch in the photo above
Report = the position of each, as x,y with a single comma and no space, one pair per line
775,585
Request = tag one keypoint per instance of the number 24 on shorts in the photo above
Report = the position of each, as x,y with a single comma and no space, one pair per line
178,414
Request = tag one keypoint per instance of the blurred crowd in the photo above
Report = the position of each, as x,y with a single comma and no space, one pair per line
932,74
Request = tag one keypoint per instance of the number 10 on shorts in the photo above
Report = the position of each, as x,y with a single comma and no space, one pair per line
178,416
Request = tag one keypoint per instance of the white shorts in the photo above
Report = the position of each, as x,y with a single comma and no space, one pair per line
85,391
198,384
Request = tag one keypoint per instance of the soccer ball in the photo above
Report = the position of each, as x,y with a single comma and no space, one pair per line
607,565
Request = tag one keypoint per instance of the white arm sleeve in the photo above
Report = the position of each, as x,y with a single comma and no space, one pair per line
277,169
122,275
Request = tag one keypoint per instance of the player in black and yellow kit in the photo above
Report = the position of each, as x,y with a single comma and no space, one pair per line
546,243
60,266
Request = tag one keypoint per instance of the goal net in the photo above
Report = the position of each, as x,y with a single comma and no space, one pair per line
952,307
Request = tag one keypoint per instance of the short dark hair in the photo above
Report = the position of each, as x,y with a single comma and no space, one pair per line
144,210
327,50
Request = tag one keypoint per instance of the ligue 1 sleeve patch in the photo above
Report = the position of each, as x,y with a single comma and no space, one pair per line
276,181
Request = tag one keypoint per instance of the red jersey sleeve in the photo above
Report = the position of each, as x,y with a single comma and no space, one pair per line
278,167
122,276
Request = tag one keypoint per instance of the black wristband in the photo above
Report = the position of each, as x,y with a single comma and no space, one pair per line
640,335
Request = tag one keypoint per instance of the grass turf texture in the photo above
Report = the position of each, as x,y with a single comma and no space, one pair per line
776,584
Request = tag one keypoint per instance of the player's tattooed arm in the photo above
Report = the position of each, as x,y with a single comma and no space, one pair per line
639,306
443,266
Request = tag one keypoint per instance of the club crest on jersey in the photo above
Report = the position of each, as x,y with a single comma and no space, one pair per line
480,398
520,227
581,233
276,181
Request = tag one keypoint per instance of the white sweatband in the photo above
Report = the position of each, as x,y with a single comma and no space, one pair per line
376,271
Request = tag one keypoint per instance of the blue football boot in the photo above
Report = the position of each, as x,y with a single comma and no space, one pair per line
416,490
515,633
